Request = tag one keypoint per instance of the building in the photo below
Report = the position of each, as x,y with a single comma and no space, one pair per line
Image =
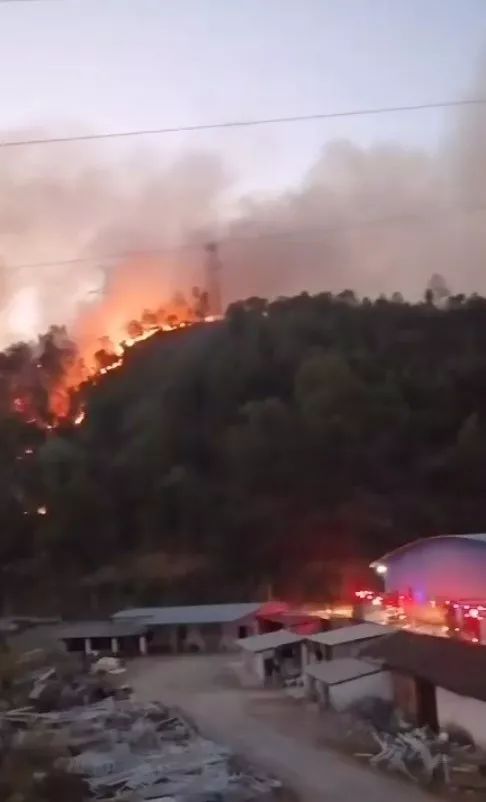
195,628
343,642
435,681
294,620
115,637
337,684
273,655
445,567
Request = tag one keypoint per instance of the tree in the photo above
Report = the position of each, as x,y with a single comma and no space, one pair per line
134,329
437,291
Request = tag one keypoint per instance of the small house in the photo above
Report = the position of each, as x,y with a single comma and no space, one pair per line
273,656
338,683
436,681
343,642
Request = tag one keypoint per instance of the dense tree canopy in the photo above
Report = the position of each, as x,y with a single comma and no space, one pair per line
281,448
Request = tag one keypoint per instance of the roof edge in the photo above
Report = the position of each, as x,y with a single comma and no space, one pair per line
411,543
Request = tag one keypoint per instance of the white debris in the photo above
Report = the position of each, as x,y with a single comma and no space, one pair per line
108,665
133,752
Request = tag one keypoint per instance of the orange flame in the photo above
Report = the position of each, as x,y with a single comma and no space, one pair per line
104,332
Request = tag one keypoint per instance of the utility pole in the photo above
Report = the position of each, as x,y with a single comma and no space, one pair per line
213,281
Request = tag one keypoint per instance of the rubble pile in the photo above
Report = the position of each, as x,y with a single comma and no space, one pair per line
447,760
133,752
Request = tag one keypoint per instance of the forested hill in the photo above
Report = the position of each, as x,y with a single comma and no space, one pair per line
282,448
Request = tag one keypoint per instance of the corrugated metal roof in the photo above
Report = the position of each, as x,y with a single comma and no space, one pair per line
269,640
349,634
447,663
333,672
195,614
99,629
477,538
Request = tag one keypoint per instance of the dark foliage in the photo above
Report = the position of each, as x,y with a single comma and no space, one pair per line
282,447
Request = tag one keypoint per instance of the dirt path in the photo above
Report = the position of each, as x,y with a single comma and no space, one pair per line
273,732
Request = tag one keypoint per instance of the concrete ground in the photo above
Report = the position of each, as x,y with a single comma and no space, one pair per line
273,731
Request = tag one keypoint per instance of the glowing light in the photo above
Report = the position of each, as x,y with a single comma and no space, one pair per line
444,629
79,417
42,510
475,640
381,569
28,450
95,362
364,594
473,613
377,601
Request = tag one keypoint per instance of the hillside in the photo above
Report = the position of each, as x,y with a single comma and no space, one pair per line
280,448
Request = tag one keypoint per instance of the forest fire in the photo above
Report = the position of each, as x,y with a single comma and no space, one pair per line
110,357
43,381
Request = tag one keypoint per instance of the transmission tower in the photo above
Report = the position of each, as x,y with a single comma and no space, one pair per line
213,281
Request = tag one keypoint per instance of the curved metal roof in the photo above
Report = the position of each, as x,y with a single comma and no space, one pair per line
477,538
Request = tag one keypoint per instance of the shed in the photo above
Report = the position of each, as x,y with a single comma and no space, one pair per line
195,628
339,683
108,636
436,681
343,642
273,656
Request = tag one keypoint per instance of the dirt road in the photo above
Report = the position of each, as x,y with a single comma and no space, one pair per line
274,732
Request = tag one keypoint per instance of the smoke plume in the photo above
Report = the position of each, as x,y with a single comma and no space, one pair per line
376,220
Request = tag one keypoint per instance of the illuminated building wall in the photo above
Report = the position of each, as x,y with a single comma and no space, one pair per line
449,567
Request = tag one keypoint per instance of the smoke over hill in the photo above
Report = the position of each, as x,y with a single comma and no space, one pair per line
377,220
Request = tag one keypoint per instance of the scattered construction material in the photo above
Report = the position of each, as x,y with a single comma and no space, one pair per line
130,752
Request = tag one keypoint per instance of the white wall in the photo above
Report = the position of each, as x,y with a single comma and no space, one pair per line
462,711
351,649
343,695
203,637
231,631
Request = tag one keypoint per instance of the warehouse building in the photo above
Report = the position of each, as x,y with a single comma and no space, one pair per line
443,567
194,628
128,638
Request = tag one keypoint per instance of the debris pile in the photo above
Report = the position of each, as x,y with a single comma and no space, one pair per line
448,759
133,752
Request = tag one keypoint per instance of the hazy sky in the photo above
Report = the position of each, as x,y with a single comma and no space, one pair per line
87,66
104,65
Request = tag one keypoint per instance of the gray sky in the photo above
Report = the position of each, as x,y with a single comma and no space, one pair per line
103,65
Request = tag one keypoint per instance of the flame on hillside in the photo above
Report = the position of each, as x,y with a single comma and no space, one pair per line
103,334
108,357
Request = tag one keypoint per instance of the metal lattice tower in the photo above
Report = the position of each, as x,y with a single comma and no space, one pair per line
213,281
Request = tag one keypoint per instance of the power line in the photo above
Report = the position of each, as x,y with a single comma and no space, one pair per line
296,118
290,235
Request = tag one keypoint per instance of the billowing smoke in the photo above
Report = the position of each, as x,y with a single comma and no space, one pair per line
376,220
55,208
